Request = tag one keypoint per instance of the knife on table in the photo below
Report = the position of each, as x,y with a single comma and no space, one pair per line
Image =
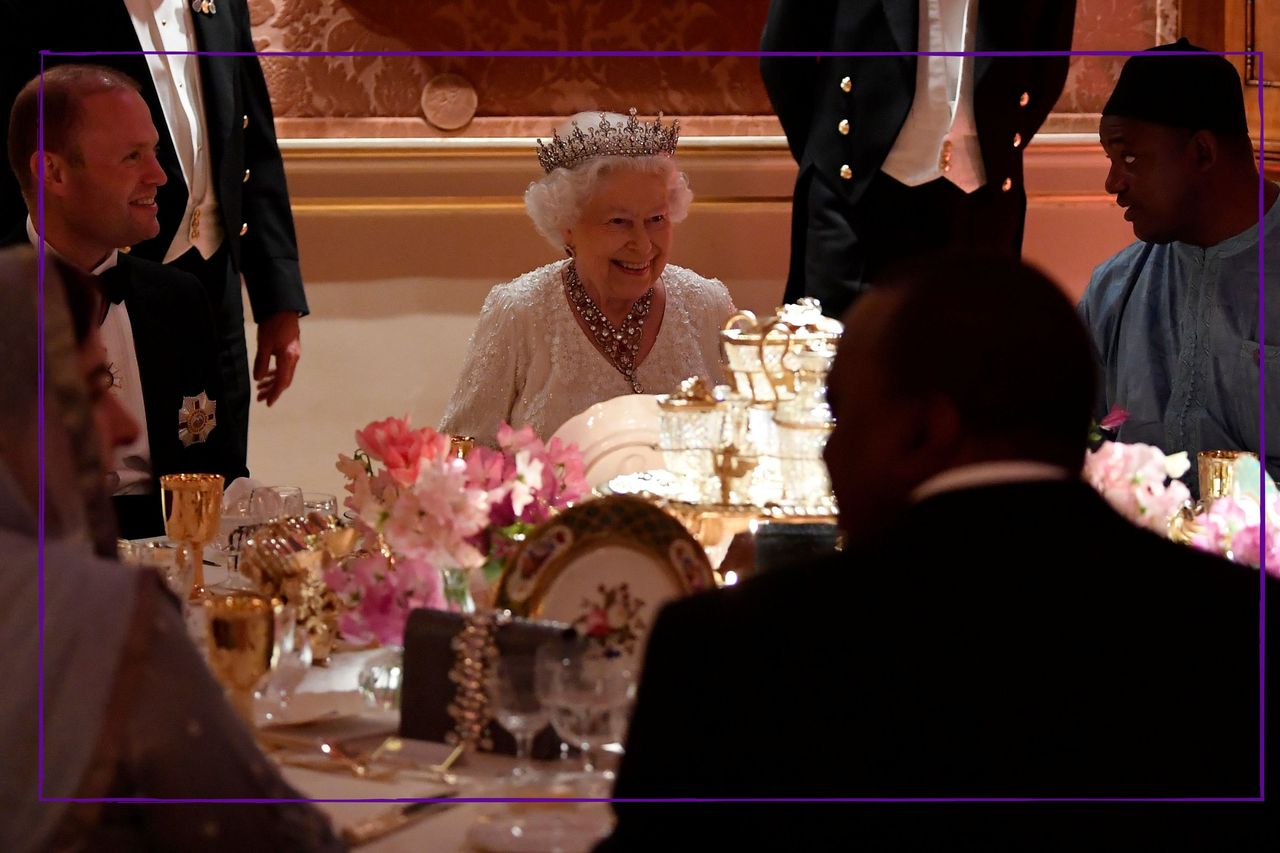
396,818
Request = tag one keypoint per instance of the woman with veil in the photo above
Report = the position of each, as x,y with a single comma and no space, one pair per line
129,709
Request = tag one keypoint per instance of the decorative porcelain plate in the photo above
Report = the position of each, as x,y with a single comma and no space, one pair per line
616,436
605,566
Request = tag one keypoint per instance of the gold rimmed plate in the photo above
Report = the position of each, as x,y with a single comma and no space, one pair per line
605,566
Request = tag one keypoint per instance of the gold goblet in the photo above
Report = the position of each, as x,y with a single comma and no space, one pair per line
1217,472
460,445
240,639
192,506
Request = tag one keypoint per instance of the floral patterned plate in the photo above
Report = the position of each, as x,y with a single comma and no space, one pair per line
605,566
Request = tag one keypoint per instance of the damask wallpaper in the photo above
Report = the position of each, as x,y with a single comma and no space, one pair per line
432,95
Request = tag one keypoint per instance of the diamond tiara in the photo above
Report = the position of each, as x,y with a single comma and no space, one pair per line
606,139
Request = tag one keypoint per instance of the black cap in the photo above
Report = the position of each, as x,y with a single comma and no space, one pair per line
1193,92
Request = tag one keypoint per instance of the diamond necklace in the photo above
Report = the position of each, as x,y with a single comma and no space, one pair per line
620,344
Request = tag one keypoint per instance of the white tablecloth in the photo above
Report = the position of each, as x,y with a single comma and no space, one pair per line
480,775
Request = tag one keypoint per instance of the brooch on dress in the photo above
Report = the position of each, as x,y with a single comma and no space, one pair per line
196,419
204,7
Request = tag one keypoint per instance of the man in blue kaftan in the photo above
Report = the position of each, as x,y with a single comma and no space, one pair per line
1177,318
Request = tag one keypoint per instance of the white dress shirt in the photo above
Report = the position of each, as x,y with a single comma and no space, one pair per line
940,137
166,25
130,471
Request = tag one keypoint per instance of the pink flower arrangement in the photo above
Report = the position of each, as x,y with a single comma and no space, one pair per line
1232,527
420,510
1132,478
528,482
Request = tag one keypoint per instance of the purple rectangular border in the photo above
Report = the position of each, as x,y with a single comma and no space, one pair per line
1262,445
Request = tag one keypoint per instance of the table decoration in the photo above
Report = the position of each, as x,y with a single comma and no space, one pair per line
431,522
192,507
1230,519
288,559
1140,481
240,639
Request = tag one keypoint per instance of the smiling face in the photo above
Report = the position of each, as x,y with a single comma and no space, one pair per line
623,239
1153,176
104,197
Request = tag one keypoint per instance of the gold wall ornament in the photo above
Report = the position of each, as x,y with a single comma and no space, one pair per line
449,101
288,558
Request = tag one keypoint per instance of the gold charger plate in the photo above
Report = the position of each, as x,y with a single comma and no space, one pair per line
605,566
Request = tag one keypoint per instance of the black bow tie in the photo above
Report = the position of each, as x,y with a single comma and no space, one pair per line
114,285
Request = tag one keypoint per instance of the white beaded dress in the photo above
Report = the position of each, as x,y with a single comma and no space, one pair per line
530,363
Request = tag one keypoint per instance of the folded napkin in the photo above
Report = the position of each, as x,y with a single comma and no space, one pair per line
235,497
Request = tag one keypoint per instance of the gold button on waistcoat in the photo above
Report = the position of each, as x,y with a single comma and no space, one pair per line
1024,99
1007,185
846,172
245,179
846,85
244,123
1017,140
244,229
843,127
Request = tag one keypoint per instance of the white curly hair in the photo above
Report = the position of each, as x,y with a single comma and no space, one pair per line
556,201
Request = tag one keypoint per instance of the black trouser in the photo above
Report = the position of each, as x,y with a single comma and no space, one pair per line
838,249
222,285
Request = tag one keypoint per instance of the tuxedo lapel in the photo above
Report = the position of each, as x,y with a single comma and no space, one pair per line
903,17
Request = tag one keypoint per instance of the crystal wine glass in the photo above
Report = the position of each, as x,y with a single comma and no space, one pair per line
515,701
589,692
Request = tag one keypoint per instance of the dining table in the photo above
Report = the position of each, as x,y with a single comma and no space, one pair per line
332,743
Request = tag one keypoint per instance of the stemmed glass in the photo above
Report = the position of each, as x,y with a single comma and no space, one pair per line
589,692
192,507
515,700
269,503
325,504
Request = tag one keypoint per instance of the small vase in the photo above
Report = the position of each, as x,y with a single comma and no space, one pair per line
457,589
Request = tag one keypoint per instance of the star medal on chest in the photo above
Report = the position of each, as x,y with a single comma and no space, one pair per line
620,344
204,7
196,419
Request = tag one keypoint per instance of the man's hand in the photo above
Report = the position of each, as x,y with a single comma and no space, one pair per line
278,336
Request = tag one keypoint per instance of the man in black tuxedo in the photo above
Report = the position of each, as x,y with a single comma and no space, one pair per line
900,154
100,178
224,210
993,628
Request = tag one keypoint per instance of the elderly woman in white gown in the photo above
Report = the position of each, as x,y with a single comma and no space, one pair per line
613,318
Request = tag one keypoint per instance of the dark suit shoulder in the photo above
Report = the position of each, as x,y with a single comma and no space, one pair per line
741,608
165,285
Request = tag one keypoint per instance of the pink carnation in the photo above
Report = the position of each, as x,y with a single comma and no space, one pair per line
401,449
